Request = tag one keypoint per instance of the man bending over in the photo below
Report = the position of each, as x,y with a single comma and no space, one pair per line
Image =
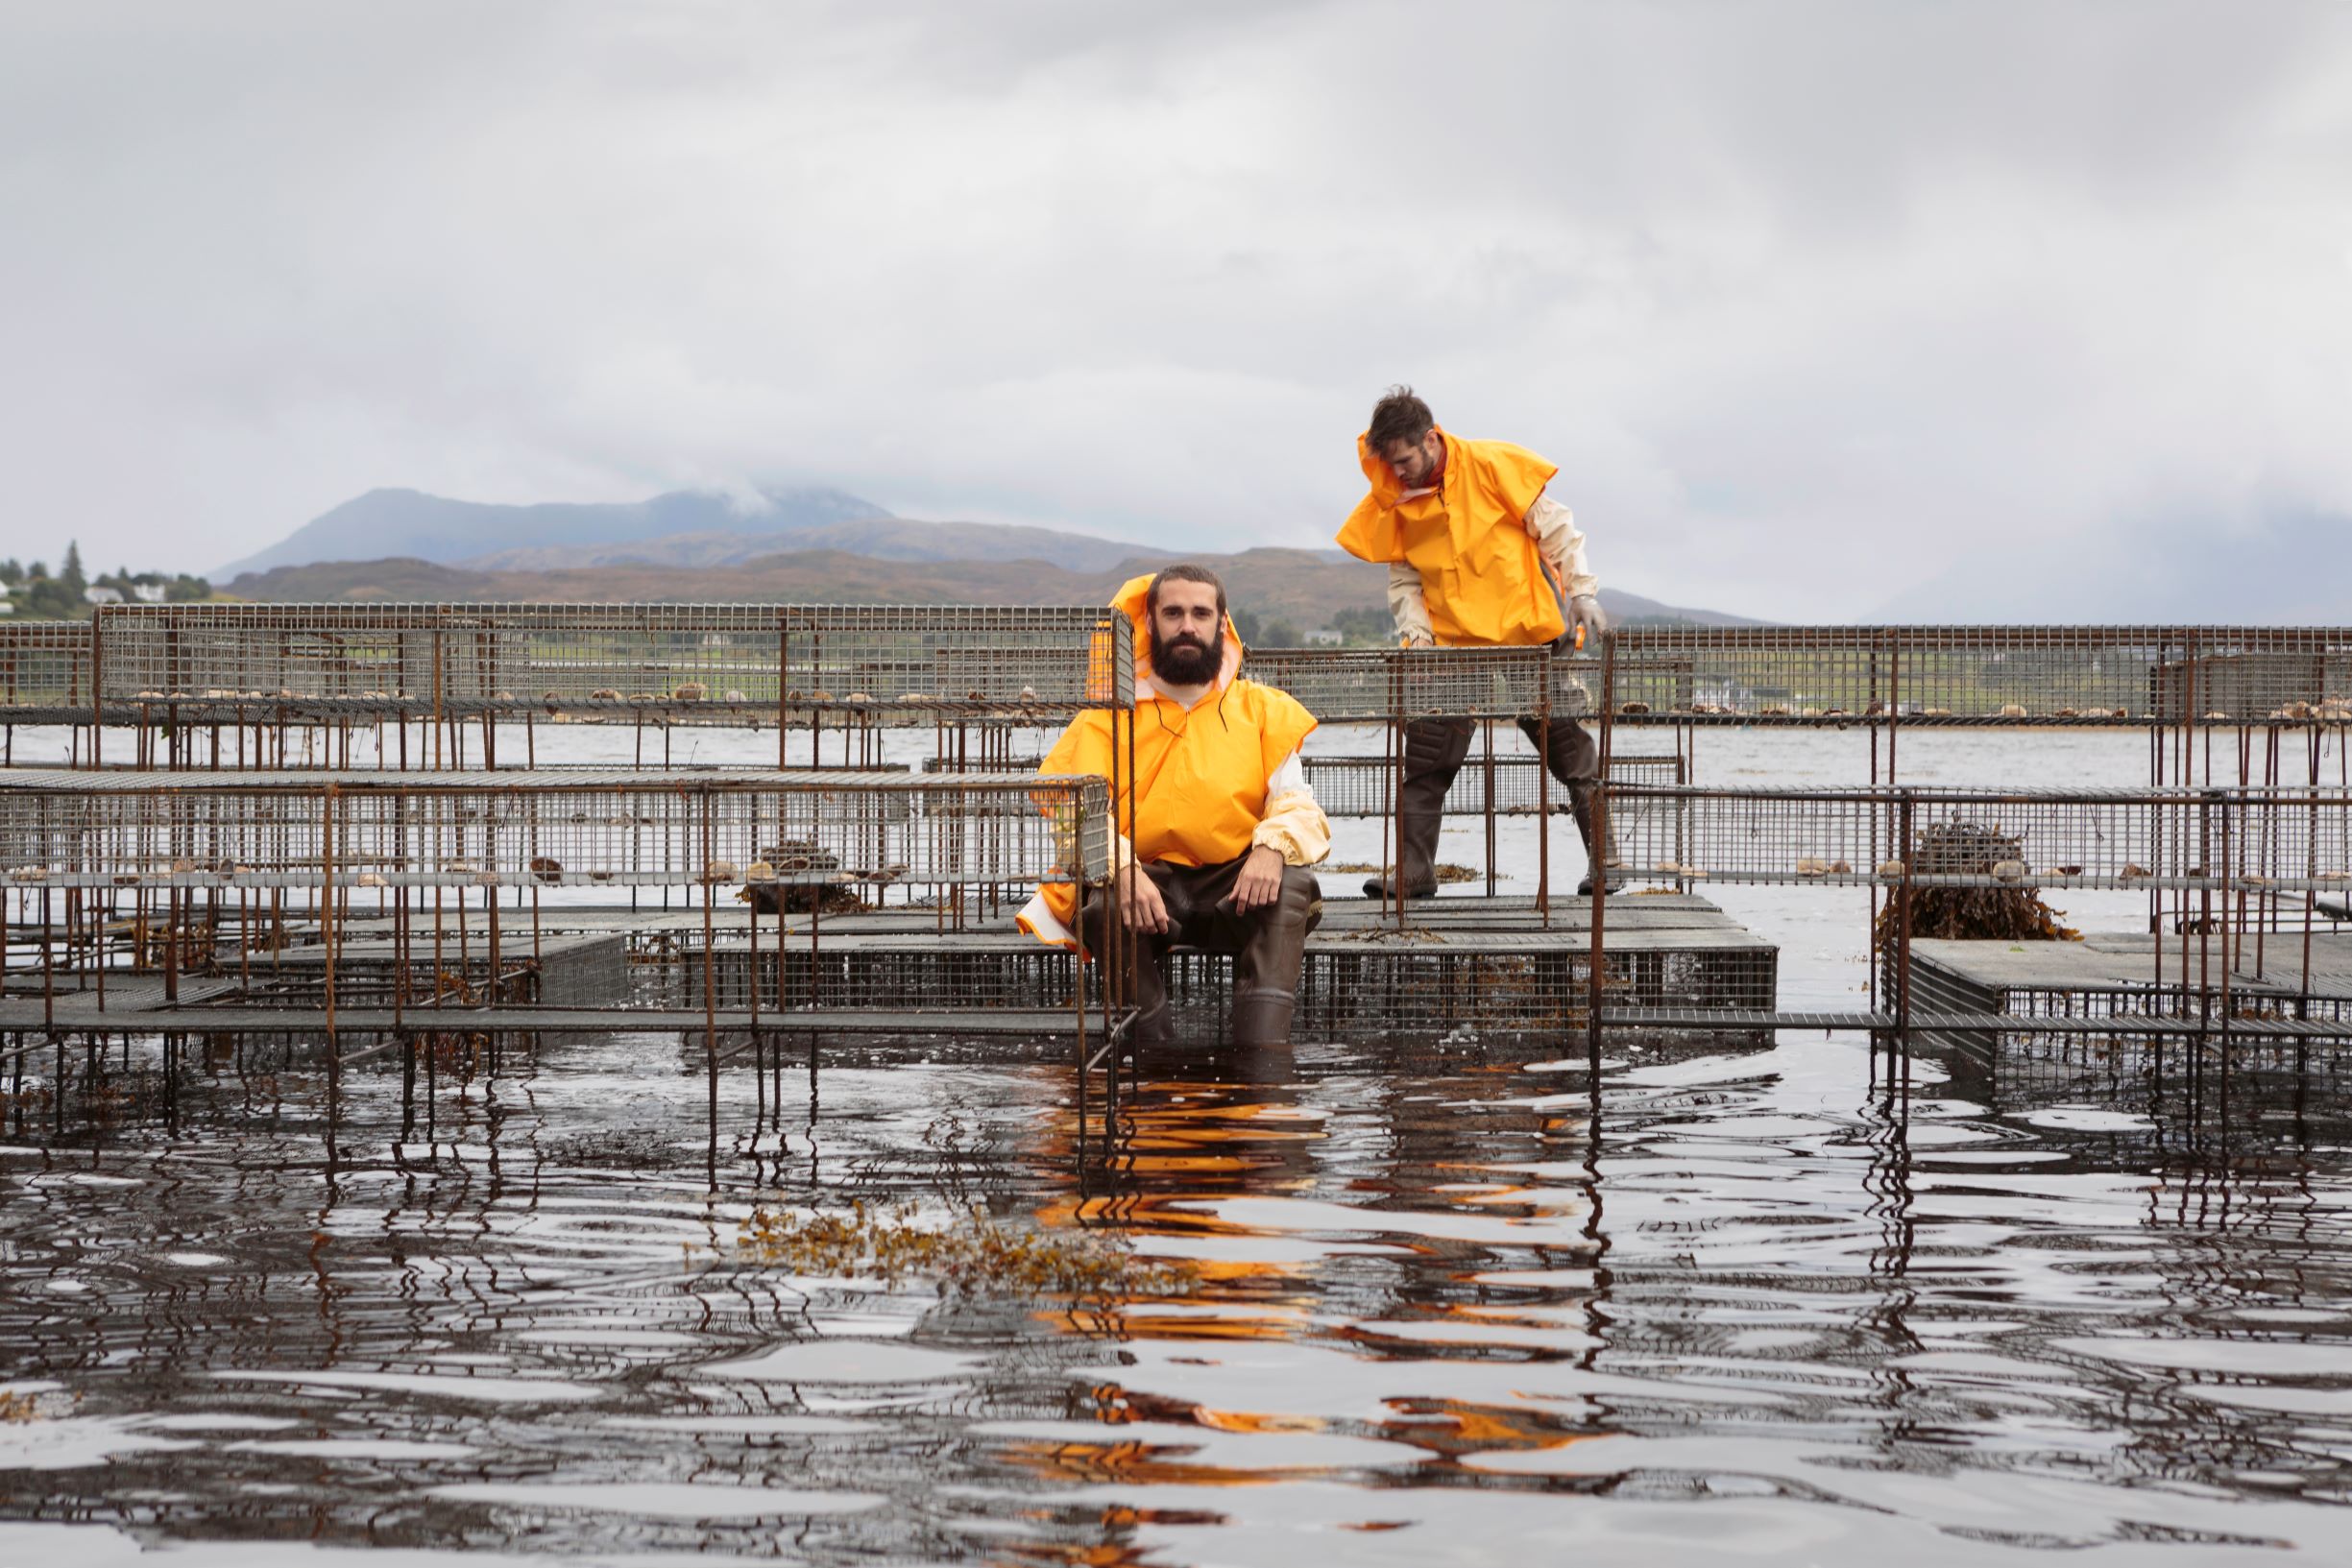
1478,555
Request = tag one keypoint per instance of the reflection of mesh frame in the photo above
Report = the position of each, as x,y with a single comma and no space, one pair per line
578,828
2288,839
881,661
1975,674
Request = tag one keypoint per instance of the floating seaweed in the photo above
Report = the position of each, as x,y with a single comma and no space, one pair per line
971,1255
1446,871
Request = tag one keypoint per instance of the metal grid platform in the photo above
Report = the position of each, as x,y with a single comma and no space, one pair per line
2121,978
1483,969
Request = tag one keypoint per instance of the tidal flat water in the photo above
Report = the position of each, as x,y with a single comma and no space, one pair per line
1456,1302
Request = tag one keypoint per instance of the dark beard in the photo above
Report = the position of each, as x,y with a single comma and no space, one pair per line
1185,663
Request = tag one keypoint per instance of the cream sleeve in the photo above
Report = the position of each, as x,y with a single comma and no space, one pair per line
1293,824
1407,603
1561,546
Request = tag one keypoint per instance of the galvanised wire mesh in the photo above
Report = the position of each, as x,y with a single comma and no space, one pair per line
2243,839
906,662
618,828
1515,984
44,664
1973,675
1508,981
855,970
1350,685
909,662
1366,786
2273,973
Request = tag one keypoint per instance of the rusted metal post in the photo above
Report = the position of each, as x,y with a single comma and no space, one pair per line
1597,854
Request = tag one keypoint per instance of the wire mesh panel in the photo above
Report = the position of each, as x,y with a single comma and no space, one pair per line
461,658
405,654
574,829
900,661
1340,684
2239,838
44,664
1975,674
1366,786
1054,658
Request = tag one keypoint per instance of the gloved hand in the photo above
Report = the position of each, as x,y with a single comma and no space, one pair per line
1585,610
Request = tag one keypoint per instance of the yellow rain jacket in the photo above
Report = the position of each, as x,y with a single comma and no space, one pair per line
1482,575
1201,777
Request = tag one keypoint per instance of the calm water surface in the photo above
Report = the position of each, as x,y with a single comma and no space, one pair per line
1458,1303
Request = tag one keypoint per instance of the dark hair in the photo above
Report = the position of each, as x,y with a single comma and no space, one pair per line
1183,571
1399,415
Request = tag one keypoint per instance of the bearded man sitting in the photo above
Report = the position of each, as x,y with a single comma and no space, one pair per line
1225,820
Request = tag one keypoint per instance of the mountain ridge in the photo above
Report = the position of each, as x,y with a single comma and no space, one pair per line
413,523
1306,588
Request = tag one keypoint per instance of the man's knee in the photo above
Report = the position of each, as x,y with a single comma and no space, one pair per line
1434,744
1301,902
1567,747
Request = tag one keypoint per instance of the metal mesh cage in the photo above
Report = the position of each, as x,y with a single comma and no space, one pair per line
880,659
2143,838
579,828
1973,674
1366,786
44,664
1339,684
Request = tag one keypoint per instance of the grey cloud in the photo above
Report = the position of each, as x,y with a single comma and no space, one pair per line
1810,301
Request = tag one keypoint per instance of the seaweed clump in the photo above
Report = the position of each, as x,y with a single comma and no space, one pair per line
1446,871
2011,912
972,1255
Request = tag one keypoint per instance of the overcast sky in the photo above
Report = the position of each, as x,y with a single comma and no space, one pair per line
1809,302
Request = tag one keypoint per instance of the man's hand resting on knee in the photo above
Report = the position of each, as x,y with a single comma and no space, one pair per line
1260,882
1141,908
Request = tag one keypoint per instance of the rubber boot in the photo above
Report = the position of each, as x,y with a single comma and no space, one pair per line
1266,971
1146,986
1147,991
1580,806
1434,750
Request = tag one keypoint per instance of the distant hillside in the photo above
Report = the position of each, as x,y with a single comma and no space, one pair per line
683,528
883,537
1305,588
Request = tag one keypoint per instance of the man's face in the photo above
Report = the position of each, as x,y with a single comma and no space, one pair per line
1188,635
1416,463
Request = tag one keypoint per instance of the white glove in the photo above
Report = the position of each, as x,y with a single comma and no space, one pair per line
1585,610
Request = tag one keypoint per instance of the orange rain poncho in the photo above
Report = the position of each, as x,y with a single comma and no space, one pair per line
1201,777
1482,575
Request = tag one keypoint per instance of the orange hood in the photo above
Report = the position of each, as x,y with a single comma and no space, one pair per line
1483,480
1131,601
